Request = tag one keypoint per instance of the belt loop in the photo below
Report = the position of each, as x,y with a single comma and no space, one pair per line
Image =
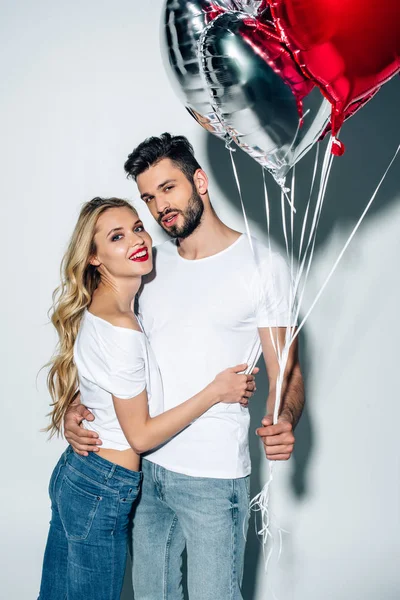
66,454
111,472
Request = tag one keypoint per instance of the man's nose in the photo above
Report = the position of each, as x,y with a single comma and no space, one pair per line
161,203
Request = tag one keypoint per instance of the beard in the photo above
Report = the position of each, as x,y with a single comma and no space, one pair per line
191,217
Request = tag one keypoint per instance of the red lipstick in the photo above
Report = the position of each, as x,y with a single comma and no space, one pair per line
140,255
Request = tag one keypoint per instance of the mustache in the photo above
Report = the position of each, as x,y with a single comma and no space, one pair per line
167,212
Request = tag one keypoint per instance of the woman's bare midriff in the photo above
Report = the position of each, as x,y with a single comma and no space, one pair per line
124,458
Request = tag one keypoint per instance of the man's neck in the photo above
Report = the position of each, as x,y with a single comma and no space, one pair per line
211,237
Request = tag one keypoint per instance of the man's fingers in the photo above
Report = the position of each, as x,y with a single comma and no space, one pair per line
81,453
239,368
81,440
274,429
281,449
279,456
88,415
81,432
278,440
251,387
84,448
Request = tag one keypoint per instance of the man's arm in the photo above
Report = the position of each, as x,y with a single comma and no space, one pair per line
82,440
278,439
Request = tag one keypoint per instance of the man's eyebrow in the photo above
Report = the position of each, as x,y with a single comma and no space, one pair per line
159,187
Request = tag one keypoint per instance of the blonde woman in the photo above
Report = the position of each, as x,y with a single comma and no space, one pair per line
104,354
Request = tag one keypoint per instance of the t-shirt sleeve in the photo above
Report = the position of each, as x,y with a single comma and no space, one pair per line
274,301
115,357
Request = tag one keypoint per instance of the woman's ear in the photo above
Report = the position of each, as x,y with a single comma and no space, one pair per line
94,261
201,181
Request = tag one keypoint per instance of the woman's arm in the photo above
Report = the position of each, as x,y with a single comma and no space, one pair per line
144,432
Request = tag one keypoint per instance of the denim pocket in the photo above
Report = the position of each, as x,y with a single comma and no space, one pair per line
77,509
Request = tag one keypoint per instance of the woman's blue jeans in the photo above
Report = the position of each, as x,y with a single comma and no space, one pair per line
91,502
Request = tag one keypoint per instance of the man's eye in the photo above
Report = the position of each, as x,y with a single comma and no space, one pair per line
116,237
147,199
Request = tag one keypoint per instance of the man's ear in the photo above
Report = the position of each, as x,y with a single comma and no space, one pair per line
94,261
201,181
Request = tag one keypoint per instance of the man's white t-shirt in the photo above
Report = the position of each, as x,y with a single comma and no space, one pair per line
201,317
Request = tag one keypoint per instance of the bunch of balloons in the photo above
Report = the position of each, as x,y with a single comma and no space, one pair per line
275,76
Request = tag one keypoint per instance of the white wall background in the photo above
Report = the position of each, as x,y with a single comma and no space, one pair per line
81,84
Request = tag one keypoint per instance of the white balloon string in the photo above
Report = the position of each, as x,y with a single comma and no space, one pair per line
246,222
267,214
324,177
355,229
309,200
292,219
296,134
284,223
261,502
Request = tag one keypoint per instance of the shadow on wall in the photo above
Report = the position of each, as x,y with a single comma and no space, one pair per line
370,137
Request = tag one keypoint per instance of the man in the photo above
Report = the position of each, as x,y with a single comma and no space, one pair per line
210,302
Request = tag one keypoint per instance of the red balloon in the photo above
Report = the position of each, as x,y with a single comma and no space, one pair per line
348,47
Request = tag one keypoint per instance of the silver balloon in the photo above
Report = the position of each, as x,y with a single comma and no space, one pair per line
182,26
251,7
254,104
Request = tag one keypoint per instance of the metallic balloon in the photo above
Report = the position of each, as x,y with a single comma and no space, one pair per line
252,7
255,104
184,21
349,48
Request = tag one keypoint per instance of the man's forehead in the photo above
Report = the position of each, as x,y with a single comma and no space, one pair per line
157,173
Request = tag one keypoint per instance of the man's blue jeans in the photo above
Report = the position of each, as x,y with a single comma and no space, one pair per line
91,500
208,516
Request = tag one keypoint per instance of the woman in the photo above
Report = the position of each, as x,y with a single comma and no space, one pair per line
104,354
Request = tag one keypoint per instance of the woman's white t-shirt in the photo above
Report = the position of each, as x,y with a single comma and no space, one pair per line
115,361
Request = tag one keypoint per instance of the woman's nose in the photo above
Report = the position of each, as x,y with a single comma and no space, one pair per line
137,238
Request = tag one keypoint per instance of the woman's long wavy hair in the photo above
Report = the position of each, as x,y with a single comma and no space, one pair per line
79,279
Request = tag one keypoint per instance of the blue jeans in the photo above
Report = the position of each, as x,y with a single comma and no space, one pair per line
208,516
91,500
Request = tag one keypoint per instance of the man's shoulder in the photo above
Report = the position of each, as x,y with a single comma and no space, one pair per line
265,254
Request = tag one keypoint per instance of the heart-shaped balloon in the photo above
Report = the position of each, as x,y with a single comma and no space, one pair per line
184,21
348,47
252,7
258,92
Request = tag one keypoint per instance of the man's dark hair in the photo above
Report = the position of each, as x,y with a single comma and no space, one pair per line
175,147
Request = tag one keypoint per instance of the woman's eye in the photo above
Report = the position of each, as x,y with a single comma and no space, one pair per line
170,187
139,228
116,237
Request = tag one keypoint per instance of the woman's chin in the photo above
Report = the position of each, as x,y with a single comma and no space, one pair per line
144,268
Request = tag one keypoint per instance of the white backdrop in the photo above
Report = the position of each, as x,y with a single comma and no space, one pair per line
81,84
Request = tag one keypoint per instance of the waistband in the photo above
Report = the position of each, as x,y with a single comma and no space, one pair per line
99,465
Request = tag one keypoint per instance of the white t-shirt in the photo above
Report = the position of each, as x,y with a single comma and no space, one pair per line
114,361
201,317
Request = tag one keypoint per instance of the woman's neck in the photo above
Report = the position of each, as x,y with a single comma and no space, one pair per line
119,295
